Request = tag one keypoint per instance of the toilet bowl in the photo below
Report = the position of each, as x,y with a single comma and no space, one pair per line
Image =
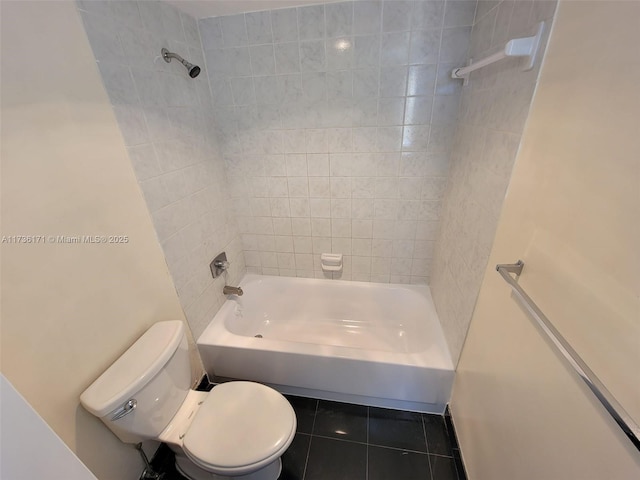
237,430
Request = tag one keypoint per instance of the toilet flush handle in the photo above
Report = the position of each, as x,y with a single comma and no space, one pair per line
128,407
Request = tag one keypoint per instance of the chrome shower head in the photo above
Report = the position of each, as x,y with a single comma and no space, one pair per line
193,70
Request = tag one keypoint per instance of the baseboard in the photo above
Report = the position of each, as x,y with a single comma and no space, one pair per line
453,437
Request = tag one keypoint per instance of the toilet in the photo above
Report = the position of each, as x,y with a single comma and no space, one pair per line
237,430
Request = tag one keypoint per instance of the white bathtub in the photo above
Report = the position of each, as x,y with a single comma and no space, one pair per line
367,343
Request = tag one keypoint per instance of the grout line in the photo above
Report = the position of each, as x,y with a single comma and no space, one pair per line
315,414
366,465
424,430
441,456
340,439
380,446
306,461
403,449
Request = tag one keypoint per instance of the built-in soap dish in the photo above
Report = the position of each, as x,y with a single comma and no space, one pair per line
331,262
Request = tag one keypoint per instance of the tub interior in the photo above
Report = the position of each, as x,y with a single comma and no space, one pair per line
340,314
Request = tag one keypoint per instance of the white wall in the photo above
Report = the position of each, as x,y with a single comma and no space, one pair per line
571,214
165,118
24,433
69,310
493,110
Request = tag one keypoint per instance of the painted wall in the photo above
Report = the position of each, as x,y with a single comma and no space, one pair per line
493,110
571,214
70,309
336,124
165,118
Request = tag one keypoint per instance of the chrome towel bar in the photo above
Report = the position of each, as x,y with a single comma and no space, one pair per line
517,47
622,418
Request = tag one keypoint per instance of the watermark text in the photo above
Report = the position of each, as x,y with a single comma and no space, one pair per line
63,239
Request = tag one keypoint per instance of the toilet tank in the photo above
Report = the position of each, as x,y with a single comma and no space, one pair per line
154,374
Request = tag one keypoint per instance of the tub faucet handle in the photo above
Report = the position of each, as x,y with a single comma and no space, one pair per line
219,265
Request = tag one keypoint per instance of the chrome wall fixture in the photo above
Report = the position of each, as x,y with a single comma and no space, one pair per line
219,265
619,414
193,70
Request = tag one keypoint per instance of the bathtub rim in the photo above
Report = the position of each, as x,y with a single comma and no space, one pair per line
436,357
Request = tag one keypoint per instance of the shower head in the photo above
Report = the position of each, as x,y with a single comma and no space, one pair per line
193,70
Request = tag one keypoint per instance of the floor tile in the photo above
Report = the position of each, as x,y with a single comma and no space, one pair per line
163,462
437,438
331,459
305,409
295,458
341,420
394,428
391,464
442,468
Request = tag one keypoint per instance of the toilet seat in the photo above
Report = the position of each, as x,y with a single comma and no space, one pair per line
239,428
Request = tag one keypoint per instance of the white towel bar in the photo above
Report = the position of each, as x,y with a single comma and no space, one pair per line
518,47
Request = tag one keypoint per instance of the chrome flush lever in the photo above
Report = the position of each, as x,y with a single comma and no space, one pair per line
128,407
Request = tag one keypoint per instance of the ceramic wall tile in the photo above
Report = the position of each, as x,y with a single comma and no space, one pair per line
164,116
490,120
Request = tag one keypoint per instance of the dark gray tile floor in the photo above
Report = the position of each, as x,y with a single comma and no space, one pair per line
339,441
354,442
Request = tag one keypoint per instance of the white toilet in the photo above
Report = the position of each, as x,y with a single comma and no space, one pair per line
238,430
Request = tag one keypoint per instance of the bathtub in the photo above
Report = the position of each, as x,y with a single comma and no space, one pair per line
366,343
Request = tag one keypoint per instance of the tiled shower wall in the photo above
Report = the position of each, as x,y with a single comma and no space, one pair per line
494,108
166,118
336,123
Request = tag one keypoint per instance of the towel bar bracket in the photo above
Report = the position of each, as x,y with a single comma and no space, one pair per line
516,47
515,268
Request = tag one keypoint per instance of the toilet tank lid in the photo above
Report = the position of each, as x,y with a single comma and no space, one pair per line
134,369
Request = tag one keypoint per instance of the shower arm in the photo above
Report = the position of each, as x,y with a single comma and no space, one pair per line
167,56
